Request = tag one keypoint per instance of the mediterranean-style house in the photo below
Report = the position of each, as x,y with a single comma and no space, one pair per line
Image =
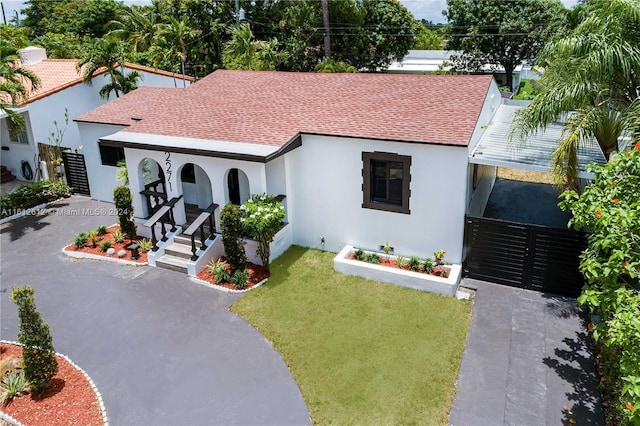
61,86
358,159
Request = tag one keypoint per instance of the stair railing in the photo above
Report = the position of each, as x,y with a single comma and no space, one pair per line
165,216
206,215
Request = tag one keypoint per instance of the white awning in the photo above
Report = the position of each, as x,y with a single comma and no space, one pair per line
534,153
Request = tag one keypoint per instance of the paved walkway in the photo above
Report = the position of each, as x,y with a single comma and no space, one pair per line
527,361
162,350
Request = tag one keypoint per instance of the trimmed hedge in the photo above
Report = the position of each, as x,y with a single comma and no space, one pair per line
30,195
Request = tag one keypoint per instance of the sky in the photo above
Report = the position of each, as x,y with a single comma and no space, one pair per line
430,10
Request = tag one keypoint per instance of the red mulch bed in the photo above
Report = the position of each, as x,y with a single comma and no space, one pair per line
70,400
391,263
257,273
116,246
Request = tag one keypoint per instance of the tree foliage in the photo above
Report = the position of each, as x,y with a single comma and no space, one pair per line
12,85
500,32
591,73
262,217
610,209
39,359
232,231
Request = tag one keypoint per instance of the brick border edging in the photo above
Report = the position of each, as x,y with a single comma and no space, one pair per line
224,289
81,255
103,410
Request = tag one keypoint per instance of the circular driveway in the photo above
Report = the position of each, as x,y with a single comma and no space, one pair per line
161,349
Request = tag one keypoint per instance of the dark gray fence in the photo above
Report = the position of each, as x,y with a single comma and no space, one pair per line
526,256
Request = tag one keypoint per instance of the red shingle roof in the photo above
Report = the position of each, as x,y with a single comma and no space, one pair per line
272,107
58,74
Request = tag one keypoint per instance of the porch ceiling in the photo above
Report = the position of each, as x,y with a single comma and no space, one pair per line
535,153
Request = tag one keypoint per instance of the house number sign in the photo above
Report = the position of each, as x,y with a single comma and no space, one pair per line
169,172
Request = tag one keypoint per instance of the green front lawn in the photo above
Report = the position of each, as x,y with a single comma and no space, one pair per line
362,352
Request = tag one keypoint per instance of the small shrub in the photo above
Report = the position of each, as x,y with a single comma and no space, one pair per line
118,237
387,249
439,257
219,269
101,230
359,254
106,246
240,278
145,245
38,355
414,263
93,237
80,240
373,258
402,262
14,384
428,265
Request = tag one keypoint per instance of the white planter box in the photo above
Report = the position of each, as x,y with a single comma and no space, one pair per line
419,281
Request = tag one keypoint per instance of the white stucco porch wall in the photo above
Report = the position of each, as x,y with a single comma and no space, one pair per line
325,177
215,168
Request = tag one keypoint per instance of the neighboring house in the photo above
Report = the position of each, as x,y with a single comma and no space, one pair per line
432,61
360,159
61,87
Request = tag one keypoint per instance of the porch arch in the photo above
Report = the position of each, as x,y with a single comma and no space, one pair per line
196,186
153,185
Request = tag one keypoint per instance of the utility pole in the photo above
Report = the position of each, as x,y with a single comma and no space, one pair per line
327,28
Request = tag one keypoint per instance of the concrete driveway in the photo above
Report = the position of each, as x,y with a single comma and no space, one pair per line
527,361
162,350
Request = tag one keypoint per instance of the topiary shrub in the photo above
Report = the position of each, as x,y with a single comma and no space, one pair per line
38,355
231,226
122,200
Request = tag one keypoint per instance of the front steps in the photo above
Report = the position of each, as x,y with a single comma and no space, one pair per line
176,255
6,175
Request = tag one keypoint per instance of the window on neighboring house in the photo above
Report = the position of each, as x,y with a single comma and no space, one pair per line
386,180
110,155
22,138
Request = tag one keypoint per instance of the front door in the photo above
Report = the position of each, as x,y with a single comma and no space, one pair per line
234,187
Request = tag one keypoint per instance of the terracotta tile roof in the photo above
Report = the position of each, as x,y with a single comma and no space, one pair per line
58,74
272,107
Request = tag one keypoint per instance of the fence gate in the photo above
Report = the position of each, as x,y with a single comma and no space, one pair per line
522,255
76,172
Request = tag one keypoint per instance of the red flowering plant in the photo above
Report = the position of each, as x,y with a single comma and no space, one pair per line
610,209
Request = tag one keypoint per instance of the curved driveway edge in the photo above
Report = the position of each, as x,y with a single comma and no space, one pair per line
162,350
527,361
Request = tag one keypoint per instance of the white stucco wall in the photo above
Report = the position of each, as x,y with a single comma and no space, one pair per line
486,177
216,170
326,184
12,153
489,108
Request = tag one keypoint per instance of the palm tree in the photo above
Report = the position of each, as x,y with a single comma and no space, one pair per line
176,34
107,54
243,52
12,85
125,83
137,26
591,75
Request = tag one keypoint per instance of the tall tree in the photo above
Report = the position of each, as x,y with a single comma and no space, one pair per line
500,32
177,34
107,54
327,28
15,84
244,52
137,26
124,83
592,75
